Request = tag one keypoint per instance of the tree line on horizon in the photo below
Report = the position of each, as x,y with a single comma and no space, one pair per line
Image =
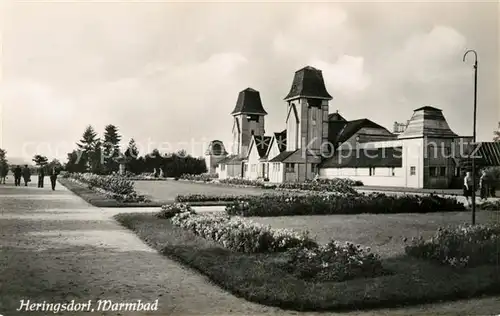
103,156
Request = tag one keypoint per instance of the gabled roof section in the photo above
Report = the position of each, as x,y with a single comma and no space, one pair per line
339,131
280,139
261,144
282,156
249,102
365,158
427,121
308,82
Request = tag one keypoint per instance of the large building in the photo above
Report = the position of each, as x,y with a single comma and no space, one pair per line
421,153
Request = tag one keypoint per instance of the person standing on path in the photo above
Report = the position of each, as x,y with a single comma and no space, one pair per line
483,185
17,176
26,175
53,178
41,175
468,188
3,173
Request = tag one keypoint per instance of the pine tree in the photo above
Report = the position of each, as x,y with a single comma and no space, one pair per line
111,147
87,147
134,164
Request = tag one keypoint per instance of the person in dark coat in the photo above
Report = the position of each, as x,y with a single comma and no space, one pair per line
53,178
4,173
17,175
26,175
41,175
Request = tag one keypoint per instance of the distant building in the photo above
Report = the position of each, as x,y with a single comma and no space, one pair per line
421,153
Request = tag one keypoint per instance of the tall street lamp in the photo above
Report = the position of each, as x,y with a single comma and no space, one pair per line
474,136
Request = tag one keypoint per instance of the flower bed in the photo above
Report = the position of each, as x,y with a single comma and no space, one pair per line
334,262
241,235
460,246
113,186
325,204
204,177
490,205
247,183
344,186
170,210
211,198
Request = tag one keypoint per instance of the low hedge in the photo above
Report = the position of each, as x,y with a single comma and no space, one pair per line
322,204
343,186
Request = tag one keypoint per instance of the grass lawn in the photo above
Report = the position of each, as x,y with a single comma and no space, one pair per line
383,233
166,191
258,278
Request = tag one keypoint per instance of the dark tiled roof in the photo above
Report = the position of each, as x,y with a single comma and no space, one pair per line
364,158
486,154
282,156
334,129
342,131
262,144
428,108
308,82
280,138
332,117
249,102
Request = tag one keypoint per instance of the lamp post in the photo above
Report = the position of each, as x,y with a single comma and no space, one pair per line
474,136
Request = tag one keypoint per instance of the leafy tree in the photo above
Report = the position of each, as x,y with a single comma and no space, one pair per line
496,134
111,147
4,164
40,160
75,163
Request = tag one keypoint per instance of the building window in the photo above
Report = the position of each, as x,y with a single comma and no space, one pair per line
245,167
457,172
413,170
222,167
442,171
253,168
433,171
278,166
289,167
393,171
372,171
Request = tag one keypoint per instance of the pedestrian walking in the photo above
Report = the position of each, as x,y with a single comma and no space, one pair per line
483,185
53,178
17,176
26,175
468,188
41,175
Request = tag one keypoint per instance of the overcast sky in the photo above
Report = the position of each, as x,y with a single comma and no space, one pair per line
172,72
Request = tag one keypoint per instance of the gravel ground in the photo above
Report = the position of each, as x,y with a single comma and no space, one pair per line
55,247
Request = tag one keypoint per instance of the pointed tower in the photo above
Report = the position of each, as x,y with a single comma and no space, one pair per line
307,116
248,117
427,121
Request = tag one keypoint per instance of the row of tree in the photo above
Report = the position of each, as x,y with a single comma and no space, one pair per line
104,156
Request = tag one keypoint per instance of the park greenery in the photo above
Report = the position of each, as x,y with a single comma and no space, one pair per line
102,156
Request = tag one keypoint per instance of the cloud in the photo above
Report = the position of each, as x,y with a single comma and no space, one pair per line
346,76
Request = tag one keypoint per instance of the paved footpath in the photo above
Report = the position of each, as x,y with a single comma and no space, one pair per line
54,247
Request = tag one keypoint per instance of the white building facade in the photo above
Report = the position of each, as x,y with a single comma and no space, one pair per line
422,153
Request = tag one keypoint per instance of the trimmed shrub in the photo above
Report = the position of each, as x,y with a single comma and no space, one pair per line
459,246
325,204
